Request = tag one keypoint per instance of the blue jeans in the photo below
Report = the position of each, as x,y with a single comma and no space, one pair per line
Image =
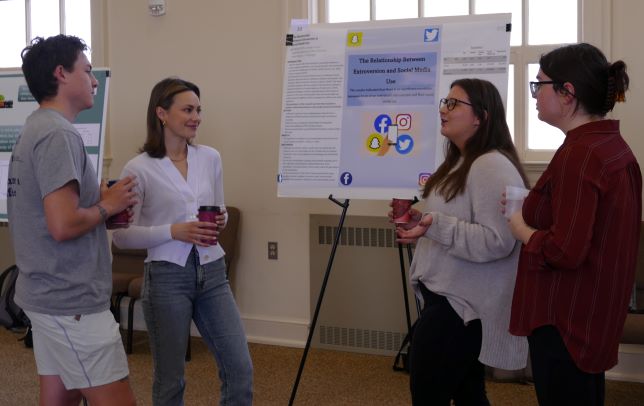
174,295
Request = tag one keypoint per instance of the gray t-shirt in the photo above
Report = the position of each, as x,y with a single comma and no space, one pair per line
60,278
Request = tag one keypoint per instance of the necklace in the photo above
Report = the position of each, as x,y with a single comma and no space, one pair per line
180,159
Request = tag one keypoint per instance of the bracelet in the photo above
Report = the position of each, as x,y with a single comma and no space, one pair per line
102,212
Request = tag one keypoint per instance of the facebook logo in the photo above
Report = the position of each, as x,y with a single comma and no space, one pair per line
346,178
381,123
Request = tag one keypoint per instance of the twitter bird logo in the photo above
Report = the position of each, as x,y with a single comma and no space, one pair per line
431,34
405,144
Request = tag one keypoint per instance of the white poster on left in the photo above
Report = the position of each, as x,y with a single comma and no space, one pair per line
16,103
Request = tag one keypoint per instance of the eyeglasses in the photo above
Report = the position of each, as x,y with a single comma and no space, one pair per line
451,103
535,86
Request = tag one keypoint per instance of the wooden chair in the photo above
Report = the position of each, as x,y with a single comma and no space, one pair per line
126,266
228,241
228,238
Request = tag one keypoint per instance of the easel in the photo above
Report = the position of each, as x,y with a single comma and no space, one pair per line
316,313
404,282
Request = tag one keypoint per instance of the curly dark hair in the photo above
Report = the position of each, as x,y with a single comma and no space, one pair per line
42,56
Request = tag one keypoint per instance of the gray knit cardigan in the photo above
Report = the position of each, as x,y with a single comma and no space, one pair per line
469,256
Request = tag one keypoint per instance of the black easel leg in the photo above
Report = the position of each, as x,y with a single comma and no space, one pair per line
336,240
411,257
404,285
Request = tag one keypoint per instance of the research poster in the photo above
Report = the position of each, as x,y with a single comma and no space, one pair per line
16,103
360,101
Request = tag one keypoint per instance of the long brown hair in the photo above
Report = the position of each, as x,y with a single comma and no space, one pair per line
162,95
491,135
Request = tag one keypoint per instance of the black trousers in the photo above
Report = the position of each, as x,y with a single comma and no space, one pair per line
443,358
557,380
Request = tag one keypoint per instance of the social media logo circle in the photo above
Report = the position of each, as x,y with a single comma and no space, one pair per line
405,144
404,121
346,178
381,123
423,177
374,142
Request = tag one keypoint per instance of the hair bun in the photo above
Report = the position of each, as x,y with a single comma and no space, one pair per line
617,82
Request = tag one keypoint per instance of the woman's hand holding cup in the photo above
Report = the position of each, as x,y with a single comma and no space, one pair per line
401,210
213,215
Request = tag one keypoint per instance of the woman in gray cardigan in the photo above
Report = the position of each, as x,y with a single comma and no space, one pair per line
465,261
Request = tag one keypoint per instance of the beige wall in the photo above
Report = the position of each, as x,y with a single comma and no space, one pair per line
626,44
233,50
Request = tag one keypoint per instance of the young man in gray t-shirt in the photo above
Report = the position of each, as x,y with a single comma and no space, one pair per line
57,214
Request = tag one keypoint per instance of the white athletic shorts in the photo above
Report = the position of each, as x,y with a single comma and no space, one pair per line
85,351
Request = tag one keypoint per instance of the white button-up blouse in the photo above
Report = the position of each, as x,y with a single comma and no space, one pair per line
166,198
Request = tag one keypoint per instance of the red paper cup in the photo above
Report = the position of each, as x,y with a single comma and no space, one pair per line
401,210
208,214
120,219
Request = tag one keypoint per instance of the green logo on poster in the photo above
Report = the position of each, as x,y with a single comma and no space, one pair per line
5,104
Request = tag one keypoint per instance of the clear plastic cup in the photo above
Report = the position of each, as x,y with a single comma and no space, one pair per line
514,197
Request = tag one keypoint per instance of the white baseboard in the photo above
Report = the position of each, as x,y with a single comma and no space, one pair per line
294,332
259,329
284,332
630,366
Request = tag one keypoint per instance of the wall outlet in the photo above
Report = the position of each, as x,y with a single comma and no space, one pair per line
272,250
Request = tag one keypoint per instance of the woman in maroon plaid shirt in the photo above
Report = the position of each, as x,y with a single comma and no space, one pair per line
580,228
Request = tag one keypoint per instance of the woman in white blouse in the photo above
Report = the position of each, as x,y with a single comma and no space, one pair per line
185,273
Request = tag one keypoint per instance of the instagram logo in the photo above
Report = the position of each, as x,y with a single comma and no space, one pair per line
403,121
423,177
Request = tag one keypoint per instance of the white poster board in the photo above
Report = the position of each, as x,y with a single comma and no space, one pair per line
16,103
360,101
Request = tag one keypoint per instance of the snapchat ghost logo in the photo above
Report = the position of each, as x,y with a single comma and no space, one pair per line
354,39
374,143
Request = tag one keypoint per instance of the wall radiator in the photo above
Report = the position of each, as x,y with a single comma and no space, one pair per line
363,307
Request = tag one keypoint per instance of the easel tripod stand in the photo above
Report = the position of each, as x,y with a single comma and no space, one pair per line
316,313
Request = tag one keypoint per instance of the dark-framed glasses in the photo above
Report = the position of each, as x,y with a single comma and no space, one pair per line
451,102
535,86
